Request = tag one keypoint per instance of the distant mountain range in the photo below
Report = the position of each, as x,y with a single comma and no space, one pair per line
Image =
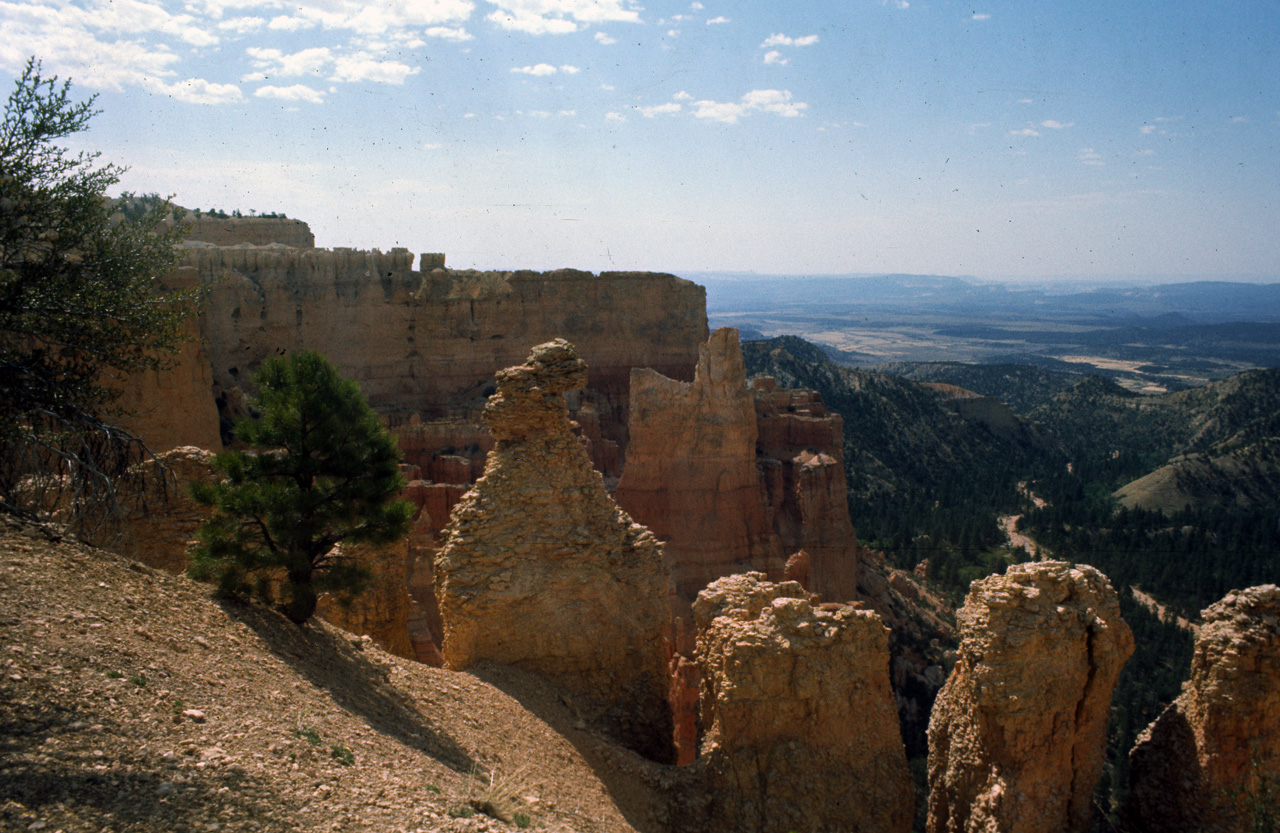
1174,304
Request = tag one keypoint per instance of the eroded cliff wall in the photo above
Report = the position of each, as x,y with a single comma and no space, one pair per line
735,478
428,343
690,473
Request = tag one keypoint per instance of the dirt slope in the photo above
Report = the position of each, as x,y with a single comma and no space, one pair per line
130,700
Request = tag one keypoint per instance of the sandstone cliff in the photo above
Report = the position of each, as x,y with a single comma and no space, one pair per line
427,343
802,732
255,231
540,569
1018,733
174,406
383,610
1211,761
691,474
800,447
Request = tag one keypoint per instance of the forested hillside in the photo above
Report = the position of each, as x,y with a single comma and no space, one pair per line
924,481
1175,494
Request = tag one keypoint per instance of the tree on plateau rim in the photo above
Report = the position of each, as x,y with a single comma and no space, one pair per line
324,472
78,306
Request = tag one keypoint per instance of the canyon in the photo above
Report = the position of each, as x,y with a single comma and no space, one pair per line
699,618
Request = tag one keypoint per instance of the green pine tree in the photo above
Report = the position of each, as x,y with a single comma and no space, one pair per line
324,471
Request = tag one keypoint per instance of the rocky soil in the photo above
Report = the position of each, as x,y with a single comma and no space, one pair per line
132,700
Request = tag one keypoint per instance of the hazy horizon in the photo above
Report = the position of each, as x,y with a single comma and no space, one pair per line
1092,141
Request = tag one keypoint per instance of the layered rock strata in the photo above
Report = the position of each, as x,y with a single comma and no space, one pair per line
255,231
1211,761
540,569
428,342
1018,733
800,448
803,731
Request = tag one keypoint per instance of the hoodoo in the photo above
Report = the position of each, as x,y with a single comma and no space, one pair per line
1018,733
540,569
1211,761
802,725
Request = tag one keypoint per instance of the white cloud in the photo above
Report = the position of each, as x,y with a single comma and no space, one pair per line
717,20
432,146
200,91
1025,101
457,34
1144,152
774,57
1026,131
298,92
570,70
696,6
901,4
611,116
1239,120
660,109
536,69
363,67
601,37
540,114
981,16
673,33
1148,129
286,23
272,63
608,87
1056,125
777,102
555,17
682,96
1089,156
567,113
779,39
242,25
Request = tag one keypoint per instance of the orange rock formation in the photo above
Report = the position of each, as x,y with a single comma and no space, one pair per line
803,730
733,478
691,474
540,569
1211,761
1018,733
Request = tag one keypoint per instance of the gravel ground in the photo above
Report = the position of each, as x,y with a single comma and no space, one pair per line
132,700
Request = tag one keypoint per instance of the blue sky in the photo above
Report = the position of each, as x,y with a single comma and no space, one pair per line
995,139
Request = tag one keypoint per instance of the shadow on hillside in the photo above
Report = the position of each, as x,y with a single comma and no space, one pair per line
652,797
74,788
356,682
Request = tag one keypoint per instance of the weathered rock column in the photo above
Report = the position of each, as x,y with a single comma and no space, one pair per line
1018,733
540,569
803,729
1211,761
